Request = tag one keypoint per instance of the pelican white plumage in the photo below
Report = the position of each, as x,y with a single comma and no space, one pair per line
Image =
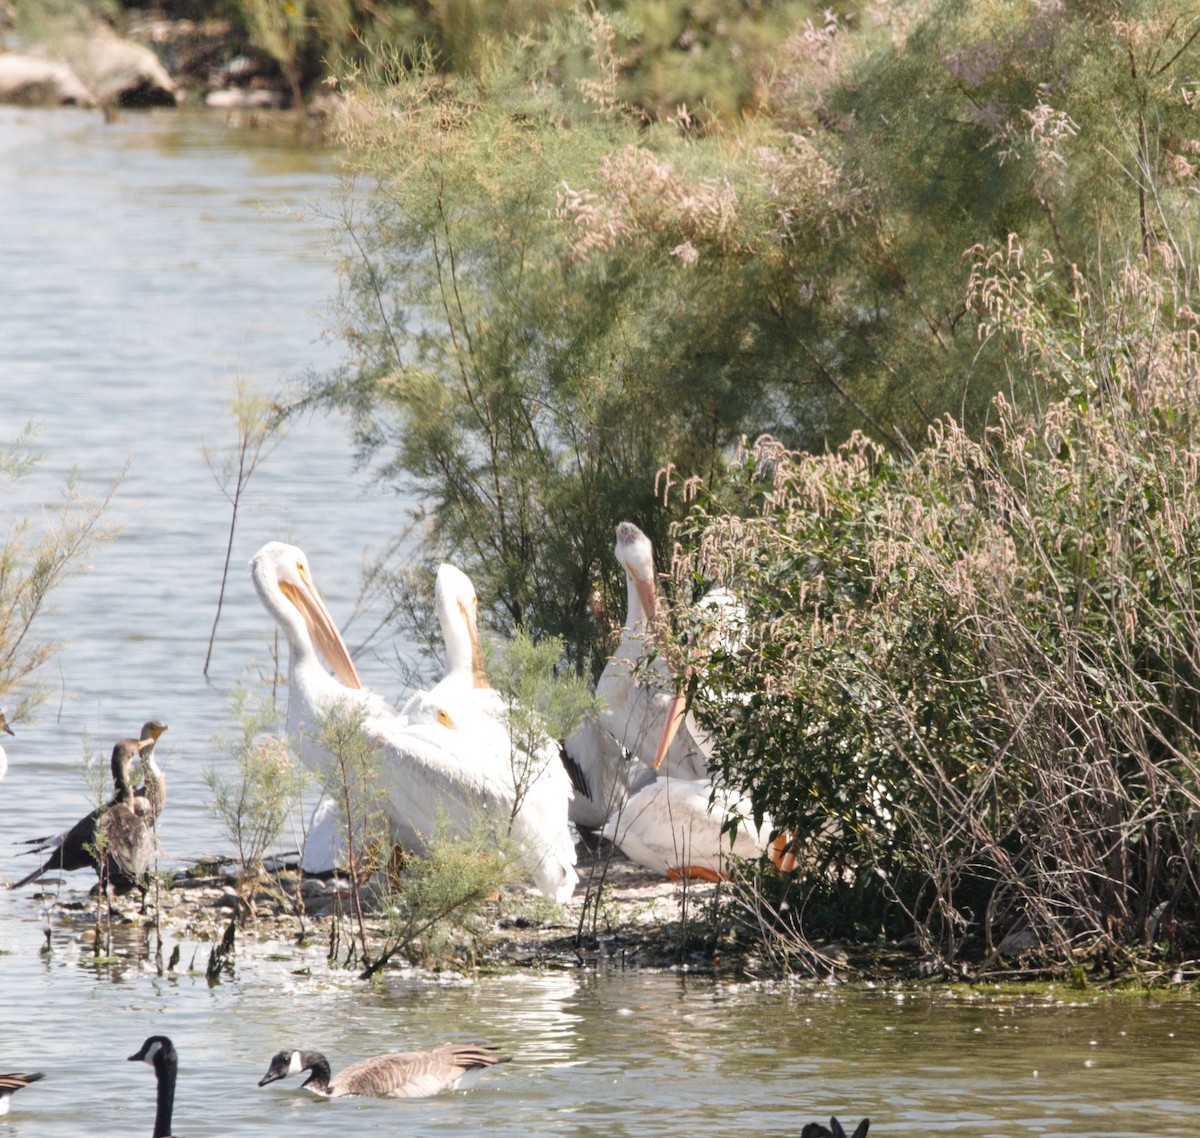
675,826
635,707
599,770
457,607
422,779
540,786
440,761
536,787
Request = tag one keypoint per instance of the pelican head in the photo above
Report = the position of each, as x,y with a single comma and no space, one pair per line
458,614
635,555
285,585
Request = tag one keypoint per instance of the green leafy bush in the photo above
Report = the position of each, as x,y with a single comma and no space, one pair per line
970,685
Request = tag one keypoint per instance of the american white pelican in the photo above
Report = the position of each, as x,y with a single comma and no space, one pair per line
401,1074
670,827
457,608
540,786
433,773
526,785
723,626
4,757
635,706
113,840
602,773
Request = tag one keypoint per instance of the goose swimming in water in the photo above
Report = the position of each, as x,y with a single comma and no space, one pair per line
402,1074
158,1052
10,1084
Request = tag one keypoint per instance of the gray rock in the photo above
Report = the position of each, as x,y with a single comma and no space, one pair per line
122,73
33,81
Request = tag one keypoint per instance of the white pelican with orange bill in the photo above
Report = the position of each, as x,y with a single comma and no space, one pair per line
434,776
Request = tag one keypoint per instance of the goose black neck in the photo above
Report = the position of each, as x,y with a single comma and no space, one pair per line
166,1065
315,1062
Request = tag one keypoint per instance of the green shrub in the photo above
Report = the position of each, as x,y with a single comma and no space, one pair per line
970,686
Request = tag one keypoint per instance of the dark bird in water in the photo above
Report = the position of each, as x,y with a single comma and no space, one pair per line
151,796
159,1052
834,1130
10,1084
112,839
402,1074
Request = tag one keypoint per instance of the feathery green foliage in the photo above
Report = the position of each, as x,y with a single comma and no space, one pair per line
971,687
255,803
42,546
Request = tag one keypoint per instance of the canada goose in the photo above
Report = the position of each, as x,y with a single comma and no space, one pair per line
402,1074
159,1052
10,1084
114,826
834,1130
151,796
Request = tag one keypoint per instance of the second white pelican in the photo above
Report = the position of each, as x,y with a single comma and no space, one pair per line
540,786
675,826
636,706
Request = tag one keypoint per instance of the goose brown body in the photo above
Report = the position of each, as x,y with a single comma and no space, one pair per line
400,1074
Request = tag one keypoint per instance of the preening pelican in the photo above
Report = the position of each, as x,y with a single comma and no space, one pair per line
539,788
670,827
401,1074
432,775
528,786
457,609
636,707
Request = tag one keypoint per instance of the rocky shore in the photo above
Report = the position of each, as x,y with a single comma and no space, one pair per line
620,916
156,63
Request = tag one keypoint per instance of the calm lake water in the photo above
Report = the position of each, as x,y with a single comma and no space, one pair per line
144,265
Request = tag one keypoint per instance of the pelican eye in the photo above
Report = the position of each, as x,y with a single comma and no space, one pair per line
444,719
